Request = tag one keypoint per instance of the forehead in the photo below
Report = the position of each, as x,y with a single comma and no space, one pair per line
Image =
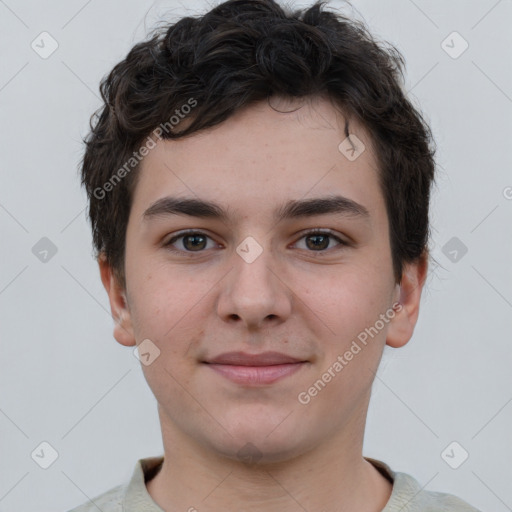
266,153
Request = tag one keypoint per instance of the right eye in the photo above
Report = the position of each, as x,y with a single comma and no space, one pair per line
190,241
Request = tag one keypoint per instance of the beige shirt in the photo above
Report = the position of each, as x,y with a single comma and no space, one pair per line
407,495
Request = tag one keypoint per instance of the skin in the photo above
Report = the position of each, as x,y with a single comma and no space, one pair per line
291,299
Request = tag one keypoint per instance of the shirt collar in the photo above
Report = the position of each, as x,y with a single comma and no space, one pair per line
137,499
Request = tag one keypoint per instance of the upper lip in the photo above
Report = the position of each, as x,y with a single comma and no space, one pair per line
245,359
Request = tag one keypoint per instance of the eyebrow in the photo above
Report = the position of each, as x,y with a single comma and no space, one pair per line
293,209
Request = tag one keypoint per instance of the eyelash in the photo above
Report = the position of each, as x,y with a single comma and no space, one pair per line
322,232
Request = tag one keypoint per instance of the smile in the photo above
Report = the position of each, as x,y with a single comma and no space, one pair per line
255,369
256,375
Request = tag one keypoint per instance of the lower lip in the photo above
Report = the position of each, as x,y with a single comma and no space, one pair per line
256,375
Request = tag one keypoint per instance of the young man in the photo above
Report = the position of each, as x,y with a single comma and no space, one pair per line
259,194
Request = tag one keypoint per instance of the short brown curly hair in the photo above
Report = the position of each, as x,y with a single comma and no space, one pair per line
239,53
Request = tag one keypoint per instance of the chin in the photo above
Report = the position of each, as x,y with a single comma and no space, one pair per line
260,442
254,453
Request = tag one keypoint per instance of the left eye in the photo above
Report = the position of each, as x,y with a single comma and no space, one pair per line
196,241
319,241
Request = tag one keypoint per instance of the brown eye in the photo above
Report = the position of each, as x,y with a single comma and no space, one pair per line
321,241
194,241
317,241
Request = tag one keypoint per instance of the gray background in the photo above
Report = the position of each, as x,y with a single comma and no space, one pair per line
66,381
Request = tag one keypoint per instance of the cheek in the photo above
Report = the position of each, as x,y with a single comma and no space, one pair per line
171,310
350,298
164,300
350,305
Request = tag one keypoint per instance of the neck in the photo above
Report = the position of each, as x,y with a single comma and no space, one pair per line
332,476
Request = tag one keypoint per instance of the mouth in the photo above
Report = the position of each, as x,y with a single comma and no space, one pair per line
255,369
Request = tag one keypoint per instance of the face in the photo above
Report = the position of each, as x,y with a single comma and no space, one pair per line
255,304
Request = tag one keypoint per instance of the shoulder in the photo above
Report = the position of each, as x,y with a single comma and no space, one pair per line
109,501
409,496
131,495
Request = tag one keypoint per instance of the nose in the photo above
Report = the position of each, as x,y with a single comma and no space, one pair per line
254,294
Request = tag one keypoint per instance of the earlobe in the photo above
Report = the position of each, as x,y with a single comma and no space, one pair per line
123,329
402,325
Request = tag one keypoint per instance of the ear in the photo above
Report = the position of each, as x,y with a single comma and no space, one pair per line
408,294
123,329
